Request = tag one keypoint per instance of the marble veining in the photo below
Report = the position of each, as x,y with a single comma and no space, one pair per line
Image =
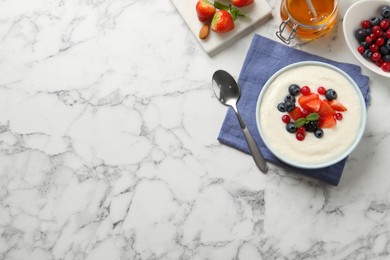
108,146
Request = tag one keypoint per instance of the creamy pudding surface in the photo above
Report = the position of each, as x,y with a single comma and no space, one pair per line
312,150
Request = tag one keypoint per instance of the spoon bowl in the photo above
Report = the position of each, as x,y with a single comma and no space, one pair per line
227,91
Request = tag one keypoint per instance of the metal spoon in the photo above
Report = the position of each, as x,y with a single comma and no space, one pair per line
227,92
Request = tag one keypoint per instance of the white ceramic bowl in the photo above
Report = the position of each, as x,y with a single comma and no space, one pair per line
359,11
283,144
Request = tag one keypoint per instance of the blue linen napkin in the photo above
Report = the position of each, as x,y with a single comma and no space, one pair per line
264,58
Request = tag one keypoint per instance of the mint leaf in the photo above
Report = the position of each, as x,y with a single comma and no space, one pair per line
312,117
300,122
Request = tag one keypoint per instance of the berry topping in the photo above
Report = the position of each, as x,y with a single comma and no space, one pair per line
326,108
294,89
301,130
330,94
327,122
311,126
338,116
310,102
291,128
305,90
311,113
296,113
336,105
286,119
300,136
290,98
321,90
319,133
289,105
282,107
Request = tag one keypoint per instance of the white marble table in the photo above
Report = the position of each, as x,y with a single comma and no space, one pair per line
108,146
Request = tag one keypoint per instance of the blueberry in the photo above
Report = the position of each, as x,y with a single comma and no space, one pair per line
384,50
385,12
386,58
388,43
330,94
375,21
367,54
282,107
294,89
319,133
360,34
365,45
290,98
291,128
289,106
311,126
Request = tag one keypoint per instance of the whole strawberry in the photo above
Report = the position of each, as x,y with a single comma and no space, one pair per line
222,22
241,3
205,10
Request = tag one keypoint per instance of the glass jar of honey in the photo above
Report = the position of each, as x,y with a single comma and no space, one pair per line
306,19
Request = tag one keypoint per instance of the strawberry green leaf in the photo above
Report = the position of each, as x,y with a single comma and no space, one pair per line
221,6
234,11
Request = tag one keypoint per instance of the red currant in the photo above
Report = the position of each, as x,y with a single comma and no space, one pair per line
385,66
300,136
321,90
286,119
376,30
376,56
384,24
374,47
368,39
373,36
301,130
338,116
380,41
305,90
361,49
366,24
388,34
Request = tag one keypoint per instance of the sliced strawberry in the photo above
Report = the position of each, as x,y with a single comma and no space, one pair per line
310,102
222,22
337,105
296,113
241,3
327,122
326,109
205,10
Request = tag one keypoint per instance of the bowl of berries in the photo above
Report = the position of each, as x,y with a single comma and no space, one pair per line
311,114
366,28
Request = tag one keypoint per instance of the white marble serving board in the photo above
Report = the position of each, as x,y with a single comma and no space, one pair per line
257,13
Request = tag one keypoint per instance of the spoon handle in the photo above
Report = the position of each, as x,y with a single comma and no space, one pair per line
256,154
